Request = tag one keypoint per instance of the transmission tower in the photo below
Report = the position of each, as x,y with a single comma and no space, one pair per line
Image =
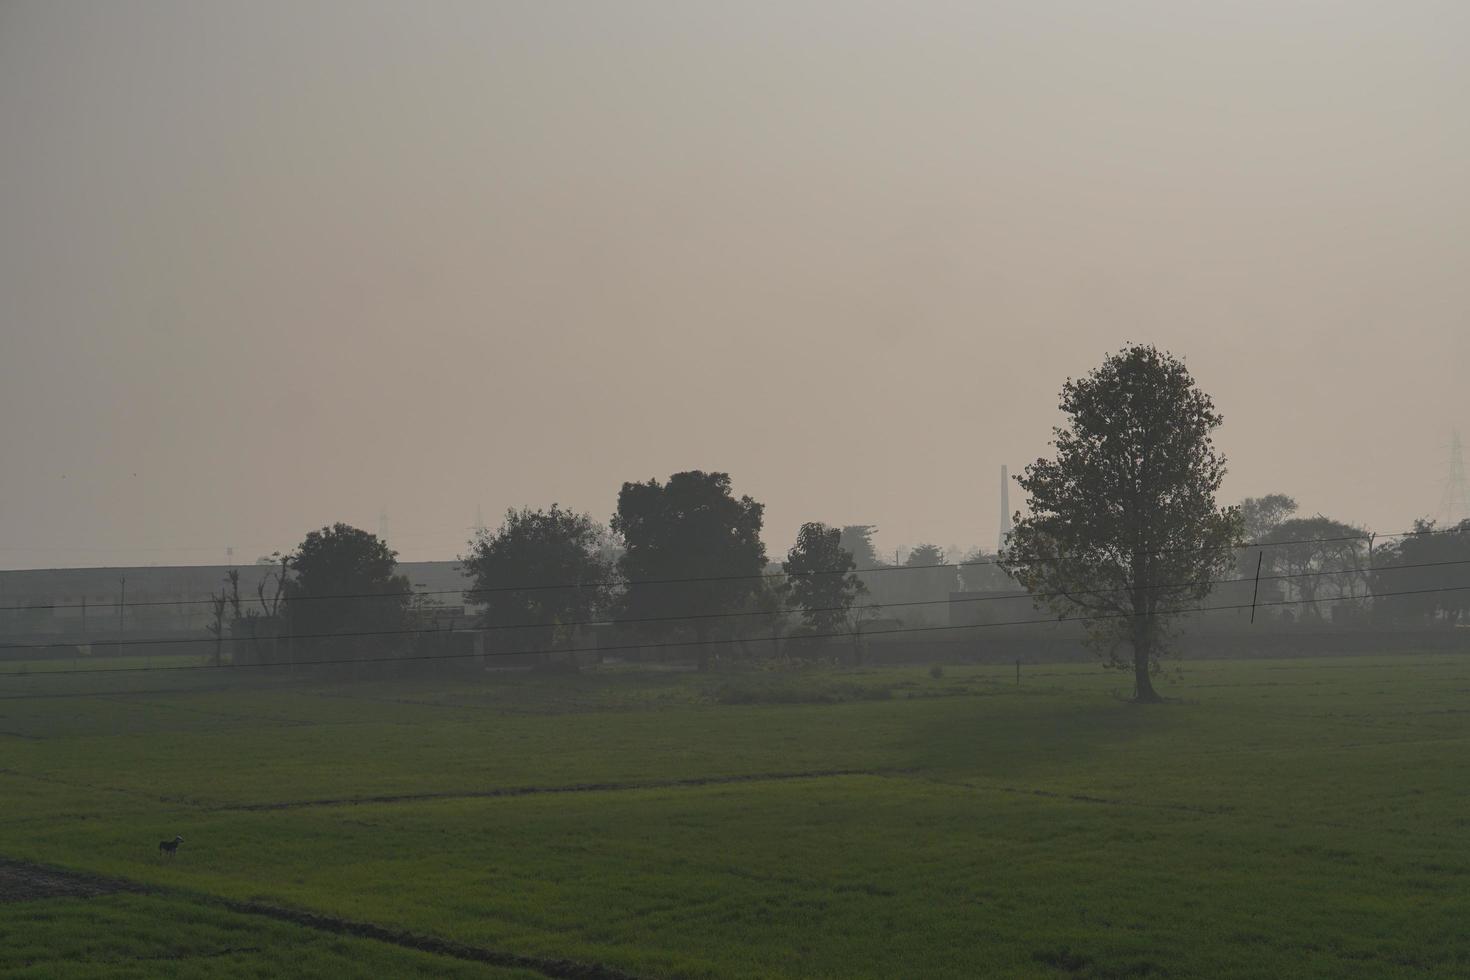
1454,502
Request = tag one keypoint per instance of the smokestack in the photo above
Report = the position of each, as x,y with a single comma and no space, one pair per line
1005,509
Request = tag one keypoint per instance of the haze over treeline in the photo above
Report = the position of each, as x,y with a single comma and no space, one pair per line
271,267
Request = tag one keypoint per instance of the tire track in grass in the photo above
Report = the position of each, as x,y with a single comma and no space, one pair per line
26,881
554,967
1216,810
1084,798
605,787
74,784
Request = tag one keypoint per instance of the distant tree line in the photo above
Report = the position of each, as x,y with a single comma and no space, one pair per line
1122,534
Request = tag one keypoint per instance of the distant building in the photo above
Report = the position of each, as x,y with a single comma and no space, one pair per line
163,599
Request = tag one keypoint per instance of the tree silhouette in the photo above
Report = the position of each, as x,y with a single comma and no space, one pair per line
532,548
1259,516
819,570
343,581
1318,557
1129,500
692,548
1433,566
858,539
925,556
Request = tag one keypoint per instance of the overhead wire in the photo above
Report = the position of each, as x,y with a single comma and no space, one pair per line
623,583
736,614
687,644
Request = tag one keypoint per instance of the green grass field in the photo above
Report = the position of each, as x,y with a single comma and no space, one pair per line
1280,819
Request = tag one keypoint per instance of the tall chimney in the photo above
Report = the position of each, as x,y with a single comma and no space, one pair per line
1005,509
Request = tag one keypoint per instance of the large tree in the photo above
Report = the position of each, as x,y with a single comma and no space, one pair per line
925,584
1259,516
1317,558
858,539
1424,576
1122,529
692,549
981,573
537,574
822,585
924,556
343,581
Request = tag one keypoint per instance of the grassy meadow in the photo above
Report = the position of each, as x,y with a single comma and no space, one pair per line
1280,818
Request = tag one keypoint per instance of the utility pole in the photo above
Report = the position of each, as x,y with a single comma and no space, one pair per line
122,598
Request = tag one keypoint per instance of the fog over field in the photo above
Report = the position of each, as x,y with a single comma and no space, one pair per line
675,490
268,266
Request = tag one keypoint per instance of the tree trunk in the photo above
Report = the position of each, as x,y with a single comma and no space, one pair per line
702,647
1143,684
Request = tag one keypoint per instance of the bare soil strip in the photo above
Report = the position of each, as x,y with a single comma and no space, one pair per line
757,777
22,881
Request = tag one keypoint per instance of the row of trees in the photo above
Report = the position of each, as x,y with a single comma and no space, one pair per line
681,564
691,569
1322,569
1122,533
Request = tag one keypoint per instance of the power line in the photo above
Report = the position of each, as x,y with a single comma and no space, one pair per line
699,643
688,617
614,582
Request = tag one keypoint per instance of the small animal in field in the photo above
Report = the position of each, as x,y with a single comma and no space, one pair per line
170,847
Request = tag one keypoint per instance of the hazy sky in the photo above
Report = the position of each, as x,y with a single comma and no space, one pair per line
268,266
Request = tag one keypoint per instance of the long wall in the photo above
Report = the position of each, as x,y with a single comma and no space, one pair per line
154,599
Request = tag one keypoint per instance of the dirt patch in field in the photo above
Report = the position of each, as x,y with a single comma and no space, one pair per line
21,881
757,777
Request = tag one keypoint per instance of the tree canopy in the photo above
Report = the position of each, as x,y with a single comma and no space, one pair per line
924,556
1122,528
981,573
1259,516
1424,576
691,548
858,539
531,549
822,585
342,581
1316,558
